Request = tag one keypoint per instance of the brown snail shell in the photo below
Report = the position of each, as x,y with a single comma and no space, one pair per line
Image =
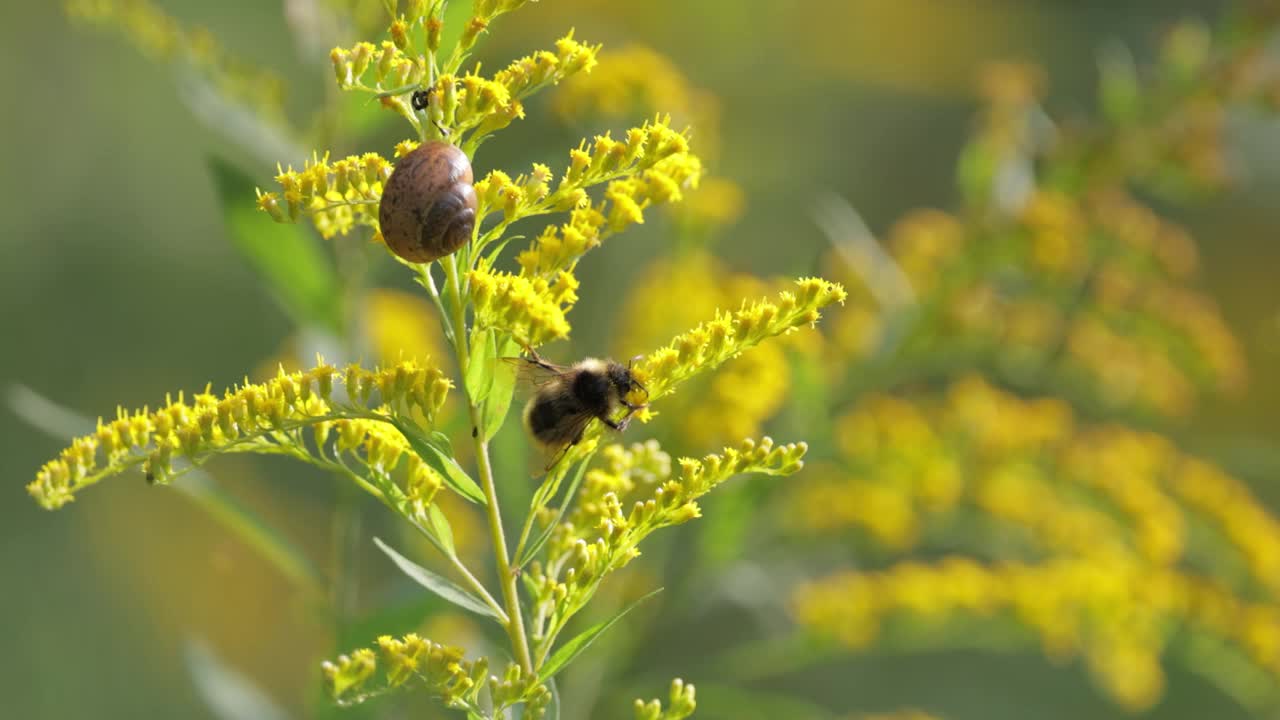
428,207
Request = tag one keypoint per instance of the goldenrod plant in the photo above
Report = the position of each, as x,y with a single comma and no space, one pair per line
379,428
1003,462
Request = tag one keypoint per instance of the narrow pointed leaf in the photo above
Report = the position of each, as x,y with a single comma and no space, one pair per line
59,421
570,650
479,378
437,584
229,694
532,551
440,526
496,405
442,462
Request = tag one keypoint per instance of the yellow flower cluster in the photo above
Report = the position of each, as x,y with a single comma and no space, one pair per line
401,324
1108,513
264,418
713,343
560,248
529,74
518,687
392,68
159,35
530,310
1119,615
1087,273
681,703
467,103
637,81
337,195
440,669
652,165
1075,490
634,80
602,534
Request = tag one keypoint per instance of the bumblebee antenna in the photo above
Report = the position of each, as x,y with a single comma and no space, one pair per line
630,365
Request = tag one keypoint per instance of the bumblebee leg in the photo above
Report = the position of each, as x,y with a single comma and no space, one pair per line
622,423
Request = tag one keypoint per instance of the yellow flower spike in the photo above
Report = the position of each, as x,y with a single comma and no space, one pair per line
245,419
621,504
338,195
438,668
711,344
348,672
624,203
401,657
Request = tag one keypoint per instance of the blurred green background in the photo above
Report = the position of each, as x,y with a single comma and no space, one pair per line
118,284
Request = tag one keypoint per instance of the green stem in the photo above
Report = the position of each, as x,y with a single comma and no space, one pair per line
507,578
524,531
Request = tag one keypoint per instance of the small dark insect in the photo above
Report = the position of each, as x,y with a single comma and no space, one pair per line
420,99
568,398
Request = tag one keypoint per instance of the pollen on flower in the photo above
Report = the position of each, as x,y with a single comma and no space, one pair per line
716,341
641,181
629,497
529,74
440,669
531,310
338,195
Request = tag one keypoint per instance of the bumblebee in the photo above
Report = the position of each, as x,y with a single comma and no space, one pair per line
567,398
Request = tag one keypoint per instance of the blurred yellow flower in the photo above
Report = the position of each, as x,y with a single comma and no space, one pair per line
402,325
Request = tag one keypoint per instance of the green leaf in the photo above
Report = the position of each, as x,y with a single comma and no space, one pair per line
494,412
441,461
532,551
441,441
437,584
483,358
286,256
251,529
229,693
440,526
570,650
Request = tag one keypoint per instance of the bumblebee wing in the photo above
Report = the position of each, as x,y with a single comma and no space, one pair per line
568,433
533,374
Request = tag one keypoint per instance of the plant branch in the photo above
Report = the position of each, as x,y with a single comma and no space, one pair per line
506,576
